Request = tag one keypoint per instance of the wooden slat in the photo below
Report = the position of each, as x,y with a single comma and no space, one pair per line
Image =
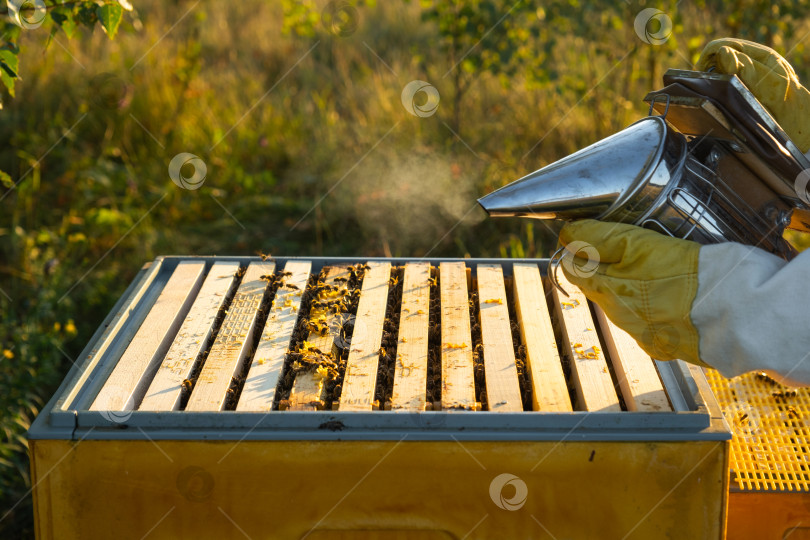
307,393
410,374
233,341
130,378
549,389
635,371
500,369
259,391
94,372
360,380
458,385
165,392
589,368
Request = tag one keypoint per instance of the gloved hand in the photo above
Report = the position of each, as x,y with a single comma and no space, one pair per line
645,283
769,77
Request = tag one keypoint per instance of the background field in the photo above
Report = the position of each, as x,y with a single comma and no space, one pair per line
308,148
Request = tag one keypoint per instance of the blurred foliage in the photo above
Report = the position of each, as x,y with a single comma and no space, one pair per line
295,108
54,16
770,23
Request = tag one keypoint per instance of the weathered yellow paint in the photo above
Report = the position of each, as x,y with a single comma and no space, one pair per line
207,489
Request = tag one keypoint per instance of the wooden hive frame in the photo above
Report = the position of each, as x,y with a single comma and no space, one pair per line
537,351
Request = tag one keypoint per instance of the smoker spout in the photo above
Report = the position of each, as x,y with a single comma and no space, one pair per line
590,183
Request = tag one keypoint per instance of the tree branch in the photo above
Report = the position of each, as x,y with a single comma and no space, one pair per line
48,7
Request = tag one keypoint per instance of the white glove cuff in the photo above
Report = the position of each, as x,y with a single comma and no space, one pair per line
752,311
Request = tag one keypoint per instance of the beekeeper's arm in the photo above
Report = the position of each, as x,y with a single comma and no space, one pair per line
735,308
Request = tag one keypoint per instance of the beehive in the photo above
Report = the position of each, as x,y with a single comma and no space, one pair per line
381,398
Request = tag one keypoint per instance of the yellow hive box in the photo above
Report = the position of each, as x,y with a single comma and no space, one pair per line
444,399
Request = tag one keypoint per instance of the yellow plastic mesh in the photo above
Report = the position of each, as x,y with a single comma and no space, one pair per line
770,447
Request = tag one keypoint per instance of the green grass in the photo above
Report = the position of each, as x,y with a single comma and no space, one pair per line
290,126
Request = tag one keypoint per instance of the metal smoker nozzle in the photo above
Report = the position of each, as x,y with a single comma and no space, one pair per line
602,181
642,175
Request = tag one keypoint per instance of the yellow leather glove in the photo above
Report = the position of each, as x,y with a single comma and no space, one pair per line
769,77
645,283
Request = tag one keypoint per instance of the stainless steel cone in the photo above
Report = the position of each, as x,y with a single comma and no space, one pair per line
615,178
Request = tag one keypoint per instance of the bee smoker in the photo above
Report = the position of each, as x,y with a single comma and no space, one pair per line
708,164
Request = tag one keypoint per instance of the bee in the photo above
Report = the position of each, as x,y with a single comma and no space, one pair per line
291,286
764,377
793,413
264,256
187,384
789,392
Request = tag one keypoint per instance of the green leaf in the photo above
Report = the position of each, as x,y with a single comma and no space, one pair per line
10,32
63,17
110,16
8,67
86,14
5,180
